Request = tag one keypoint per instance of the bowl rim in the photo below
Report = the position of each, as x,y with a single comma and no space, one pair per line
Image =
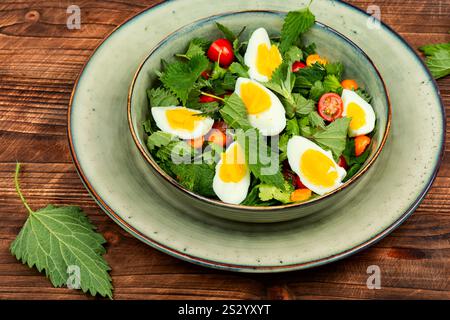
259,209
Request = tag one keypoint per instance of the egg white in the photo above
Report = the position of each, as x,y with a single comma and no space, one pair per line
259,36
231,192
202,127
296,147
270,122
349,96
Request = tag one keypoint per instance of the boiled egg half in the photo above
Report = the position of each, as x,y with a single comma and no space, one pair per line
182,122
361,113
261,56
316,167
232,177
265,110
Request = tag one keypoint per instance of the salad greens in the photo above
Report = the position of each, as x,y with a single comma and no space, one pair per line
194,81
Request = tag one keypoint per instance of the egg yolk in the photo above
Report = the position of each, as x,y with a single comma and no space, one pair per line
357,114
182,118
256,100
318,169
233,167
268,59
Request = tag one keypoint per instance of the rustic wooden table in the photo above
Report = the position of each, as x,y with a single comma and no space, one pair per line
39,62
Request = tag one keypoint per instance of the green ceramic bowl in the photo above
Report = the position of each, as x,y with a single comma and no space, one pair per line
331,44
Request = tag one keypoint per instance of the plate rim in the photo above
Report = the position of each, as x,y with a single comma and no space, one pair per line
248,268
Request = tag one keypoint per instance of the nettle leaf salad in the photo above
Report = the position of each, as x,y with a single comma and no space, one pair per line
260,121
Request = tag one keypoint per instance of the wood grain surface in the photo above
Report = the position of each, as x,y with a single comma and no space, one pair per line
39,62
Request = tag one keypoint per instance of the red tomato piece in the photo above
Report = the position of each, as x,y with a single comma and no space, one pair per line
221,48
297,65
331,106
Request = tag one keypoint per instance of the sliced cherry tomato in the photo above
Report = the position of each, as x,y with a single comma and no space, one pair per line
205,74
315,58
330,106
298,183
207,99
342,163
349,84
218,137
221,48
301,195
297,65
292,177
197,143
361,143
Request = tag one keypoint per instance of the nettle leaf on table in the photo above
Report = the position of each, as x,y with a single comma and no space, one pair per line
62,242
438,59
180,76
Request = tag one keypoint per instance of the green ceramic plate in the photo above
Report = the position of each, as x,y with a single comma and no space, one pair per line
117,176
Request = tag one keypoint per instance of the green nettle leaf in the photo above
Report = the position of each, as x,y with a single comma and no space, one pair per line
180,76
234,113
160,97
295,23
197,46
334,136
306,77
309,49
364,94
336,68
262,160
239,69
302,105
293,54
292,127
159,139
282,82
317,90
433,48
197,177
316,120
438,59
331,84
439,63
268,192
59,240
229,35
218,72
252,198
